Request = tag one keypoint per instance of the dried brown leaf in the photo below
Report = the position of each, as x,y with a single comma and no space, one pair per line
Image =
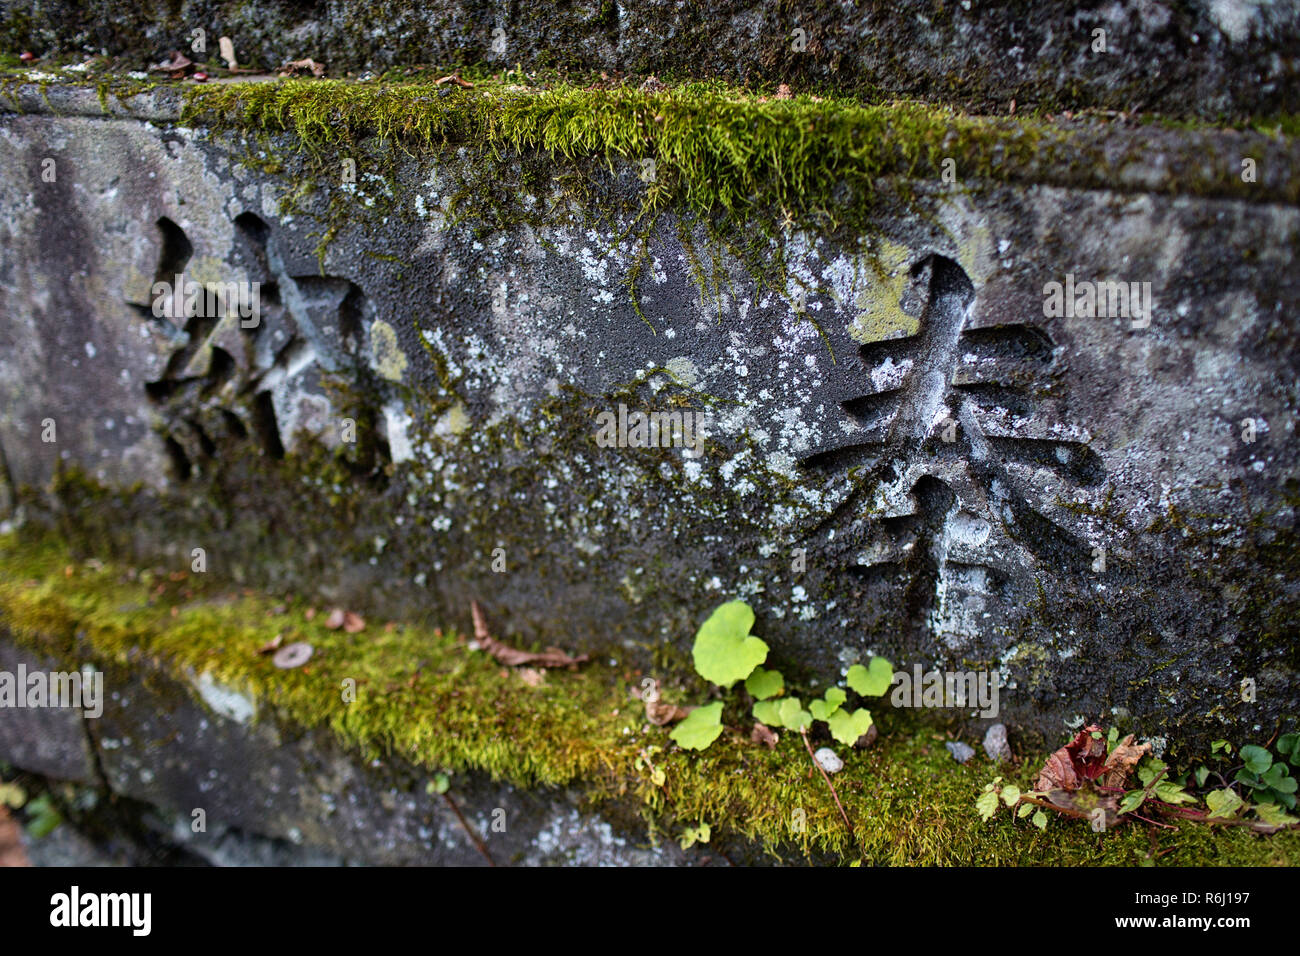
867,739
454,78
353,623
661,714
765,735
512,656
1058,773
1119,765
176,62
298,67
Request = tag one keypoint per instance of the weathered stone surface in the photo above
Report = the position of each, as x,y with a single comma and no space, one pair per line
1098,531
1208,57
45,740
268,795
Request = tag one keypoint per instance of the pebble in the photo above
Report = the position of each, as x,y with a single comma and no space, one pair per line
828,760
200,77
960,752
996,745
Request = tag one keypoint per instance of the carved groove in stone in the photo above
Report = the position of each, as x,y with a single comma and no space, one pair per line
947,524
223,381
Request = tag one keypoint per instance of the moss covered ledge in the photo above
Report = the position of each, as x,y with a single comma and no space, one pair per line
425,697
814,161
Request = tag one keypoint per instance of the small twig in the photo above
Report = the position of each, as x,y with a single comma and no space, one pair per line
1047,804
827,778
1154,823
482,848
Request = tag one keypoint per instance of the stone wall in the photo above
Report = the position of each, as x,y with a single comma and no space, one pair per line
905,456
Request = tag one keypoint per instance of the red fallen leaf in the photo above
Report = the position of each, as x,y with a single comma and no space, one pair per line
336,619
763,734
27,57
353,623
1083,758
513,657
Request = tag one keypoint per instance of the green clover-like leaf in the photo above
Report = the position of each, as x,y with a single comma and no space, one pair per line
763,684
1257,759
1040,820
701,727
1279,778
824,708
768,712
873,680
793,716
846,727
1010,794
821,710
987,804
724,652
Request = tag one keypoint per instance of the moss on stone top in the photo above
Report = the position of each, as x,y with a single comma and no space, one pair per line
812,160
423,696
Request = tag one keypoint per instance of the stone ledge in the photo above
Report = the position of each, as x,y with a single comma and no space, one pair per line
355,784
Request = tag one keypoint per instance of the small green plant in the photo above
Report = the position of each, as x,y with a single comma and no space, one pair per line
1088,779
702,726
725,652
1269,779
42,816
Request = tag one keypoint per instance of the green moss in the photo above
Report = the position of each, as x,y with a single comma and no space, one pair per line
715,148
425,697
